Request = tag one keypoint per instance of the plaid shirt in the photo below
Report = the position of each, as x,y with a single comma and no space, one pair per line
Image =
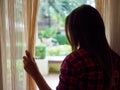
80,72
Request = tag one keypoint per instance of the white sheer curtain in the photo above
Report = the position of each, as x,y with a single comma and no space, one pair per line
13,44
110,11
17,33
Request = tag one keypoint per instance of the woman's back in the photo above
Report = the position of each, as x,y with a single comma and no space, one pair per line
81,71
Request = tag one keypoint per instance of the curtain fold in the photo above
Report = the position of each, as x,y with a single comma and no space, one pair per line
13,44
3,43
1,71
1,76
12,41
17,33
30,17
110,11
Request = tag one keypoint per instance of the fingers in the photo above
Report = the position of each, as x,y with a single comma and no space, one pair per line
34,60
25,60
24,57
29,55
28,59
29,65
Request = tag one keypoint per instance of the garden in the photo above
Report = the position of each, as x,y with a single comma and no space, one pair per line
51,43
51,39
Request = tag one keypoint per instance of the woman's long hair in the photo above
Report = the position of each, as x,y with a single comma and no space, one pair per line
85,28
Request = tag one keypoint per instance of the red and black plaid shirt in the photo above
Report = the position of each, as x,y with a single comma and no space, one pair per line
80,72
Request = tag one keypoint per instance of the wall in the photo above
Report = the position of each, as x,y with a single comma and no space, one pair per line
115,25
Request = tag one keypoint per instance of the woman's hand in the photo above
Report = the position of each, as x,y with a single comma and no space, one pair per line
31,68
30,65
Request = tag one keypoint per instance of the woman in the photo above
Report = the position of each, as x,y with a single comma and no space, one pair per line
92,65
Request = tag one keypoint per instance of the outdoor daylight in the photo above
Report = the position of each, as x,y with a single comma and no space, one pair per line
51,43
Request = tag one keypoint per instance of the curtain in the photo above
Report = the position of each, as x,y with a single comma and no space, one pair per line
30,20
13,44
110,11
17,33
1,27
1,80
103,6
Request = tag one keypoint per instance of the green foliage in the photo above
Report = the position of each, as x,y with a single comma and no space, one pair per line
40,51
61,38
60,50
40,34
65,5
47,32
57,10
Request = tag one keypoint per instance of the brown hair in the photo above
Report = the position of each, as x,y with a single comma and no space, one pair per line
85,28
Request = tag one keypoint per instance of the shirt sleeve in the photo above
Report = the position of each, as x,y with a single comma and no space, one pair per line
68,79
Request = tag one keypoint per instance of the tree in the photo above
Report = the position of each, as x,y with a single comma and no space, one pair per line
58,9
64,7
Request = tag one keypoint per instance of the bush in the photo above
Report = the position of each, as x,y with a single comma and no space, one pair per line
61,38
60,50
40,51
47,32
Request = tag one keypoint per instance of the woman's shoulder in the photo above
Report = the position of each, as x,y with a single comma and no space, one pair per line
80,59
77,55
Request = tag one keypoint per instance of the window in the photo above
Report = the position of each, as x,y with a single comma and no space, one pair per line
50,31
51,41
